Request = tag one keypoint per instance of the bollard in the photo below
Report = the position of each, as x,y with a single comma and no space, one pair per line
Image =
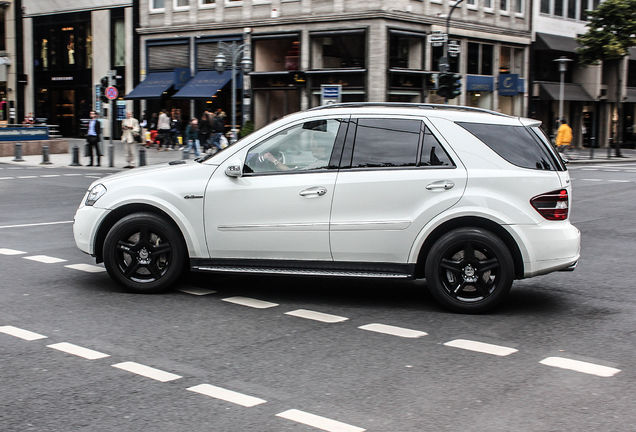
18,153
75,156
111,155
142,157
609,148
45,156
592,147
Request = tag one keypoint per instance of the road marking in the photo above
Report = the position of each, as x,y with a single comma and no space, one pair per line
244,301
78,351
392,330
147,371
317,316
318,421
592,179
580,366
481,347
7,178
95,177
71,175
45,259
611,170
86,268
22,334
621,181
227,395
35,224
4,251
589,169
50,175
27,177
197,291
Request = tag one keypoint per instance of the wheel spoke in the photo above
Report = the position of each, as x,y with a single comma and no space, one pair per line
154,269
488,265
144,235
161,248
469,251
132,269
482,287
453,266
126,246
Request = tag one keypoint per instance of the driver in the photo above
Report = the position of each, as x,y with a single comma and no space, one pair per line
320,149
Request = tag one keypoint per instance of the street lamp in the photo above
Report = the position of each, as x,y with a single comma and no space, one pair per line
234,52
563,66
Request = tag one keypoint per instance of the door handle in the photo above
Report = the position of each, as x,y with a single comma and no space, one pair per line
442,184
314,191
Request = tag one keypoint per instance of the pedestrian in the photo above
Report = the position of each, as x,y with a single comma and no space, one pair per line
218,128
564,136
163,130
152,126
205,131
92,138
192,137
130,127
175,130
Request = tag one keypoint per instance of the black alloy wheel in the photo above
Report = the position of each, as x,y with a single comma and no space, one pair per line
144,253
469,270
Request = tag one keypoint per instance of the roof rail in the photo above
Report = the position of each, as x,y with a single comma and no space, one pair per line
407,105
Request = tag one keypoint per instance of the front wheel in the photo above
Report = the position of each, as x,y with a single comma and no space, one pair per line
469,270
144,253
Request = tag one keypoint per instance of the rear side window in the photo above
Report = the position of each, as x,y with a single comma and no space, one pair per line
432,152
515,144
386,143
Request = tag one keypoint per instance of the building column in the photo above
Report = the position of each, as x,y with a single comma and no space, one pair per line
377,62
100,35
129,78
12,82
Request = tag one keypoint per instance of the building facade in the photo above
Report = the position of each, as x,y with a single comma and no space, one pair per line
12,77
377,51
68,48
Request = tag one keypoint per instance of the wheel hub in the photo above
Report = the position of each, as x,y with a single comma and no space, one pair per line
143,257
469,273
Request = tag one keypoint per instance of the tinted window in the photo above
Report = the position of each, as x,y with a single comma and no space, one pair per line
386,143
432,152
513,143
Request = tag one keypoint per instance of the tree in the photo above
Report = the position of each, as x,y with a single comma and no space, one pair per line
611,32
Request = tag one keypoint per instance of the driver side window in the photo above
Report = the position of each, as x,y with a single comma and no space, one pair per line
303,147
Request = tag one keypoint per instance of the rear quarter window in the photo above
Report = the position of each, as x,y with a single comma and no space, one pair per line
515,144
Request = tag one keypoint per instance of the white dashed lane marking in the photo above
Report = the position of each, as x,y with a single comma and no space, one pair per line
45,259
580,366
227,395
50,175
318,421
392,330
78,351
197,291
7,178
316,316
481,347
35,224
22,334
86,268
244,301
147,371
4,251
27,177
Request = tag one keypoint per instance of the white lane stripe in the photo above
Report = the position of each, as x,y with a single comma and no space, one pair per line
78,351
27,177
45,259
580,366
86,268
7,178
22,334
95,177
392,330
50,175
147,371
227,395
4,251
621,181
71,175
196,291
254,303
318,421
589,169
317,316
481,347
35,224
596,180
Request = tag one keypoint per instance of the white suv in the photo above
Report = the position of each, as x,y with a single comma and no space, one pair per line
468,199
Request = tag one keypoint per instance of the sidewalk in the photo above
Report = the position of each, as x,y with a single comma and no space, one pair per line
65,159
578,156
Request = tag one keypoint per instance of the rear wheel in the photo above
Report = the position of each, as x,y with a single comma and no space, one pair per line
144,253
469,270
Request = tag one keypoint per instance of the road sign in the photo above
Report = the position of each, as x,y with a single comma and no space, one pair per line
330,94
111,93
437,39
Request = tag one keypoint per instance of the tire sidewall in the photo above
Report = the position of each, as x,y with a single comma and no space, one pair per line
157,224
451,240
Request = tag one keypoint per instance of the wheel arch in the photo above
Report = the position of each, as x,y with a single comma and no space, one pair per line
471,221
114,216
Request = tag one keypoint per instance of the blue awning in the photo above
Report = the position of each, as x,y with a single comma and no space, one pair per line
153,86
205,84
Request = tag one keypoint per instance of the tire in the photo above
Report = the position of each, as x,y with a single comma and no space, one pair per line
469,270
144,253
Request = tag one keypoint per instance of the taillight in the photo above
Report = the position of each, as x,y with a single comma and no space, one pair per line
552,205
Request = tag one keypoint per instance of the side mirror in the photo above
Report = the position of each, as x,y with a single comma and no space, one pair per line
235,169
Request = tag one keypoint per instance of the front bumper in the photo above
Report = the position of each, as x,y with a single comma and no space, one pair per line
86,223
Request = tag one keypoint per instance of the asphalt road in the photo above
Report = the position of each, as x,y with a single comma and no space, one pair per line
230,353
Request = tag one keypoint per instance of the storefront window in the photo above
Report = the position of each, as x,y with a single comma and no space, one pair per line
480,59
276,54
63,47
119,45
344,50
406,52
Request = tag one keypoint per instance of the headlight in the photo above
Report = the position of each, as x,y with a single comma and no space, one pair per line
94,194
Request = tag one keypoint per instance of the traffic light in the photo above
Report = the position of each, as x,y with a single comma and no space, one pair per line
444,82
455,85
104,86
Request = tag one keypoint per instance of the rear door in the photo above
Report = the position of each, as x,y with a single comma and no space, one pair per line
395,176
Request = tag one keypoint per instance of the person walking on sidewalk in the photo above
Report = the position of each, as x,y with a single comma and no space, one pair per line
192,137
564,136
163,126
92,138
130,127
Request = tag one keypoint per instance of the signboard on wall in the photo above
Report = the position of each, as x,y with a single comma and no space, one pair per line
330,94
